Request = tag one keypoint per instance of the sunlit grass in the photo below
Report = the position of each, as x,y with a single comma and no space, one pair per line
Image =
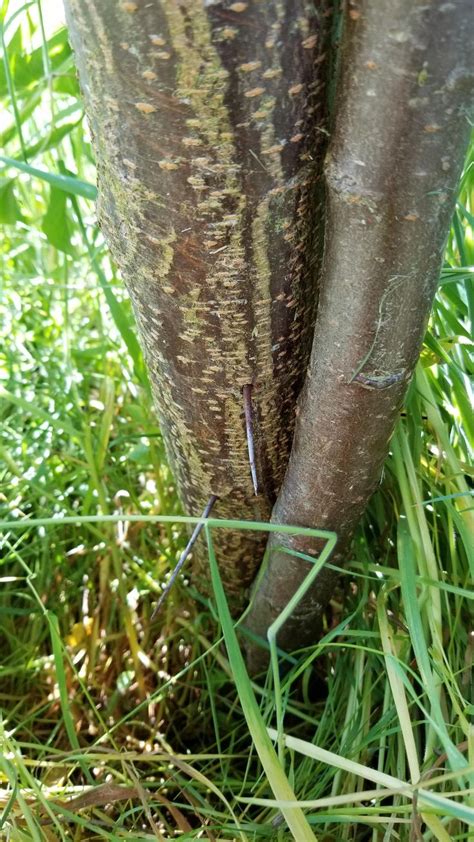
113,727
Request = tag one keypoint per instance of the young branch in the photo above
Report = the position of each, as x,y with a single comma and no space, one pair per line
392,170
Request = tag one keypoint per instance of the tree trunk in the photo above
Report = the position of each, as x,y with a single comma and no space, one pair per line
391,173
208,122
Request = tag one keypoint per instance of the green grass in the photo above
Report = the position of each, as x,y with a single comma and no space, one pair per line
111,727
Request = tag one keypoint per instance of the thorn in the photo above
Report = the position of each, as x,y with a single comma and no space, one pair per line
248,411
196,532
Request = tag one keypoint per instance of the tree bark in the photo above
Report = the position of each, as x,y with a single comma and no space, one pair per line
209,126
391,174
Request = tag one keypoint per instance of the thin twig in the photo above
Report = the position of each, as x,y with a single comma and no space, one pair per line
442,759
248,411
183,556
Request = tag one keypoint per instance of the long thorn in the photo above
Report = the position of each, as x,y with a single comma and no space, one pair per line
248,411
183,556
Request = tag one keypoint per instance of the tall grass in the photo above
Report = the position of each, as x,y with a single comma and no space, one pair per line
111,727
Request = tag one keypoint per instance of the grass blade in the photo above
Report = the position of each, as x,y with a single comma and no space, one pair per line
67,183
277,779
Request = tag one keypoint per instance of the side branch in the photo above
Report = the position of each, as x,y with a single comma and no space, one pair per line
392,171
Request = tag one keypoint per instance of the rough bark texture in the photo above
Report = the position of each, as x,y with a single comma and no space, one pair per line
391,174
208,121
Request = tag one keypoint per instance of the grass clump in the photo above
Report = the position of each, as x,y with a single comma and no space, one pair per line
112,727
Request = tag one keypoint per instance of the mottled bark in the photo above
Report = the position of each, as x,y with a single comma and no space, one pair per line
392,170
208,122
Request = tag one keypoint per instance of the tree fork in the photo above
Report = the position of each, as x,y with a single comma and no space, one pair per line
392,169
209,127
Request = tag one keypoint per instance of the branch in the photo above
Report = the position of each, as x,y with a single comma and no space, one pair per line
392,171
